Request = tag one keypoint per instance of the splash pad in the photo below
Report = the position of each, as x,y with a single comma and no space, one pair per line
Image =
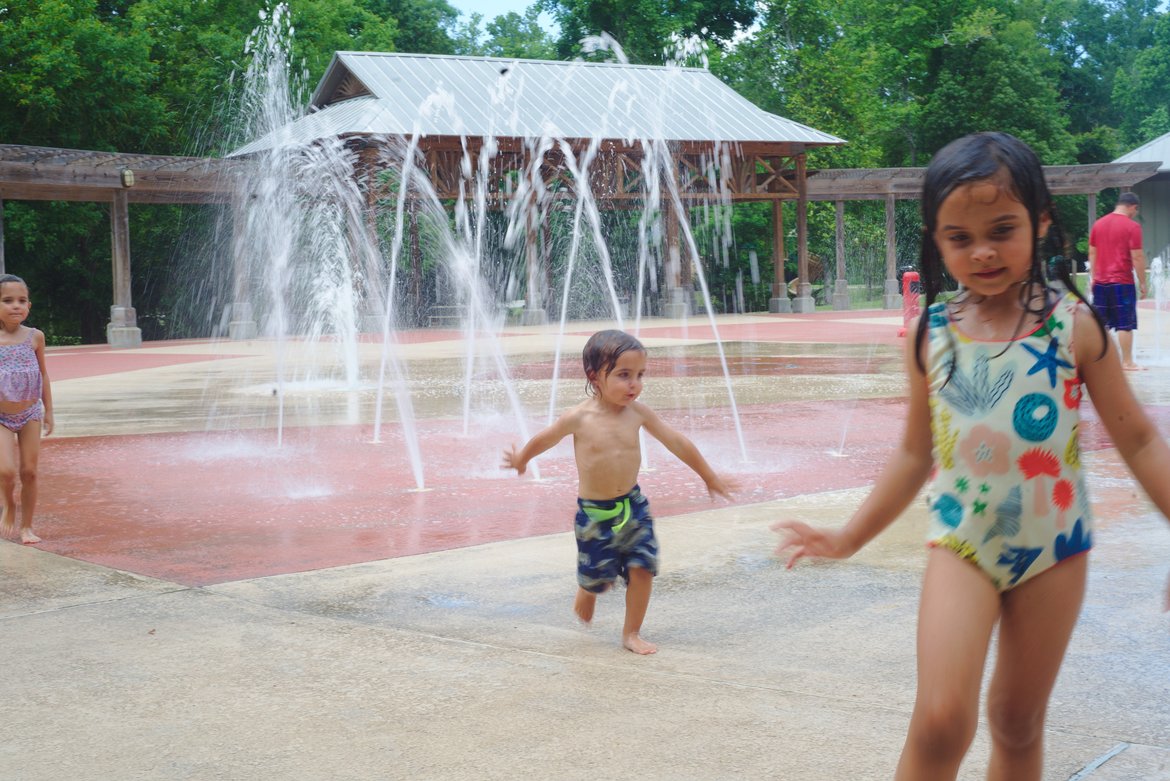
137,482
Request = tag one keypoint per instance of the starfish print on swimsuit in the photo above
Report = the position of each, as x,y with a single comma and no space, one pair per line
1047,361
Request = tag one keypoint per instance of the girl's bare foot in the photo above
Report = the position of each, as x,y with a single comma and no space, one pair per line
583,605
639,646
7,527
28,538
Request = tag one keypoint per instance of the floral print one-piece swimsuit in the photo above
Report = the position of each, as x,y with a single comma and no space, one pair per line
1008,493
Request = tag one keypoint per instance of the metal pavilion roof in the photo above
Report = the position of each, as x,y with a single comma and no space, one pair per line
1157,150
368,93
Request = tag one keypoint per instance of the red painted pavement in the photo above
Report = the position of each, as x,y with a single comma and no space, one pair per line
208,508
92,363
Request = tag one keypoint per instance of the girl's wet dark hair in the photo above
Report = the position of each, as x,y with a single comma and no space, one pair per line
601,354
1005,159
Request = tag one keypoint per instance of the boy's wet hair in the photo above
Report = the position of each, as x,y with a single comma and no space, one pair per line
5,278
601,354
1006,160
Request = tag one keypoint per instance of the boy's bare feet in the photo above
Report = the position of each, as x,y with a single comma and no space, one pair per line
583,605
7,527
28,538
1132,367
639,646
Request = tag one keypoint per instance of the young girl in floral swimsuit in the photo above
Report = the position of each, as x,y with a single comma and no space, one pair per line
996,375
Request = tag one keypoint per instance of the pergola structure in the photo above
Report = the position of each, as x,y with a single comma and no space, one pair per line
890,184
33,173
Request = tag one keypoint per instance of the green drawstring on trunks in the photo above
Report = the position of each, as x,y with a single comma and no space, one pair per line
621,507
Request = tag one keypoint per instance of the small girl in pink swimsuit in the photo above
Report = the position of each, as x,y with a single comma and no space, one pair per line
26,407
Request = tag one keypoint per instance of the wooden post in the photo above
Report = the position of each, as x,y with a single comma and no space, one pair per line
546,249
803,301
841,287
122,330
1092,210
373,307
242,323
893,297
534,311
676,303
1092,215
779,302
415,263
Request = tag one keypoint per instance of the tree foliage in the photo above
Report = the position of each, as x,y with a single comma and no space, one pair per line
508,35
646,29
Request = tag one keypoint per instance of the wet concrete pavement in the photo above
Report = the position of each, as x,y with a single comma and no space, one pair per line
432,644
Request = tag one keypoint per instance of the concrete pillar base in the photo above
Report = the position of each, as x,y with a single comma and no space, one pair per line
242,325
242,330
676,303
804,303
841,295
371,324
122,330
121,337
779,305
534,317
892,298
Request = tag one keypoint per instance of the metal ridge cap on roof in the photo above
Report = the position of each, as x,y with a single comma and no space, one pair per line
506,60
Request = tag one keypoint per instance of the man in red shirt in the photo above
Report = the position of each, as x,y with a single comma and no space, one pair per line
1115,253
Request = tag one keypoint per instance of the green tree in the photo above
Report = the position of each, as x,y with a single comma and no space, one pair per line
1141,91
198,87
646,28
508,35
513,35
424,26
69,78
1015,91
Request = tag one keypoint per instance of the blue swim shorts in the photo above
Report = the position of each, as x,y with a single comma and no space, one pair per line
1117,305
612,536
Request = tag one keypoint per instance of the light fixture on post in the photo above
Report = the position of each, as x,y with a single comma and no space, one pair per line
127,177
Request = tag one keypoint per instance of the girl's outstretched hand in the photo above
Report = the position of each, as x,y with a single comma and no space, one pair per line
798,540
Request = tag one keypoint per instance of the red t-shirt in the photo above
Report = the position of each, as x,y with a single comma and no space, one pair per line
1114,236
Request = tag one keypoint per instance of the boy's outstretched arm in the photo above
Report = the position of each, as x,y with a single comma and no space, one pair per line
897,485
542,441
684,450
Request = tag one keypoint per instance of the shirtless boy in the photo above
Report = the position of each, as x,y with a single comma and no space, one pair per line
614,528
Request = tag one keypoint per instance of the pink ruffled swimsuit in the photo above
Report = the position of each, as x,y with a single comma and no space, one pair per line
20,380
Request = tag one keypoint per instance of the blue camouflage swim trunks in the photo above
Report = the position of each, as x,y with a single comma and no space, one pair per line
612,536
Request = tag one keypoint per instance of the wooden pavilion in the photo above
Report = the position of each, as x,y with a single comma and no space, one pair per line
536,118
